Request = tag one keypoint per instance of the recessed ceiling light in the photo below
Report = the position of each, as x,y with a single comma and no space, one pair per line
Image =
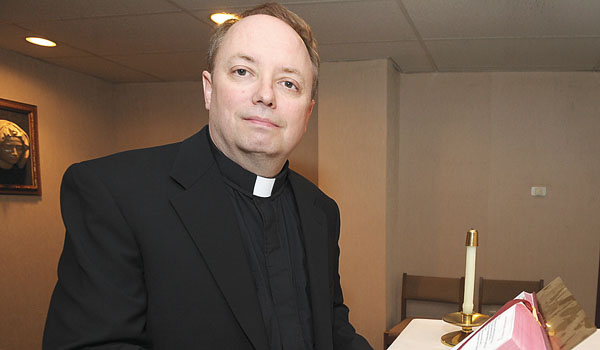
40,41
221,17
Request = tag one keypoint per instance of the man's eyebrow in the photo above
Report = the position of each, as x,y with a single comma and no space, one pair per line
291,70
243,57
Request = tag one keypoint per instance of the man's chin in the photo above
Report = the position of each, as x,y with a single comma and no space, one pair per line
260,151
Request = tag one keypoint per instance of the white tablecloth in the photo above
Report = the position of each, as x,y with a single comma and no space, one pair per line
425,334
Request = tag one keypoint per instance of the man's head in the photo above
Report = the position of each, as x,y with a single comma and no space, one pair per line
14,145
277,11
259,89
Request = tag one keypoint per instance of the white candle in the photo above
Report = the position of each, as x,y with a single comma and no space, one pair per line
469,280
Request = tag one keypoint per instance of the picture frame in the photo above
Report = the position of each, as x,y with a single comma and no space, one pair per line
19,149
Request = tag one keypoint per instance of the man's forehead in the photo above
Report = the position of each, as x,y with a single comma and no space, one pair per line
261,20
265,26
249,38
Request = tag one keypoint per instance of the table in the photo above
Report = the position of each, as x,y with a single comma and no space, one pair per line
424,334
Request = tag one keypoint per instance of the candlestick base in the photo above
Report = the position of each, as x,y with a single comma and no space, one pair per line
466,322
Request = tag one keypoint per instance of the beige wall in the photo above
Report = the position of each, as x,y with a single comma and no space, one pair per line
155,114
393,268
72,110
462,151
354,111
471,147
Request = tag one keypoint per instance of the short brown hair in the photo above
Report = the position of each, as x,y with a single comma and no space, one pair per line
278,11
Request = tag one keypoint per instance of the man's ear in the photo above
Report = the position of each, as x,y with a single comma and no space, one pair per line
308,114
207,84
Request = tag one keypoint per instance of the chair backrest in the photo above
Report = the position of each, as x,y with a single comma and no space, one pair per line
432,289
495,293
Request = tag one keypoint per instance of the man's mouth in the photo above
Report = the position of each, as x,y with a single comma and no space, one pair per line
261,122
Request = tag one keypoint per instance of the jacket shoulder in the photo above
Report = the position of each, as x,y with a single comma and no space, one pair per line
321,198
130,168
156,155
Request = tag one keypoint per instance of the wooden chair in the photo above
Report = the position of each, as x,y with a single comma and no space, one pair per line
443,291
495,293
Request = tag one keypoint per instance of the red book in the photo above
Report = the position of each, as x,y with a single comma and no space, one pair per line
517,326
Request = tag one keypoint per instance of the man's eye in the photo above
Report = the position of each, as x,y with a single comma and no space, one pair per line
289,85
241,71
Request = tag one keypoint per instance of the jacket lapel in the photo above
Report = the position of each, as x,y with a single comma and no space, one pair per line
207,213
316,238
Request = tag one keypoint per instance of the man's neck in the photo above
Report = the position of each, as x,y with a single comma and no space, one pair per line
259,164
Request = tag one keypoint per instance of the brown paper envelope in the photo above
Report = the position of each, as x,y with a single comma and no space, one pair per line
566,321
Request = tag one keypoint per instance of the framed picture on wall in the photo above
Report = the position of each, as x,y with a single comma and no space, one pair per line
19,151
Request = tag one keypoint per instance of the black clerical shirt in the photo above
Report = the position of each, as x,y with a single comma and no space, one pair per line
268,219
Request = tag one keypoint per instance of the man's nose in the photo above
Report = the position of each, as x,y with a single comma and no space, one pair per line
265,93
14,151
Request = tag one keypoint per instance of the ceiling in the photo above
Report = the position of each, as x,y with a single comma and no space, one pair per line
125,41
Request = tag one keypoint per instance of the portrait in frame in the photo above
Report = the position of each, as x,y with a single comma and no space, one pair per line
19,151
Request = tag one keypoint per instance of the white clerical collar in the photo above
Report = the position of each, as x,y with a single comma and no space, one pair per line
263,186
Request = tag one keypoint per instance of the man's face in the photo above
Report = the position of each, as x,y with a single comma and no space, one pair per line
259,95
11,151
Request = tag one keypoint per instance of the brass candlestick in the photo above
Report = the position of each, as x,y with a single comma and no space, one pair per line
466,322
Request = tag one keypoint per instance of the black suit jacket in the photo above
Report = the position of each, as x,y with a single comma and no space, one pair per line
153,258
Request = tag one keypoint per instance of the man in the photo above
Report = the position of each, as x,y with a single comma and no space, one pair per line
212,243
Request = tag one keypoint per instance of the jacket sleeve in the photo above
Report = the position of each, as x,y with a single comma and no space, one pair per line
344,334
99,301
